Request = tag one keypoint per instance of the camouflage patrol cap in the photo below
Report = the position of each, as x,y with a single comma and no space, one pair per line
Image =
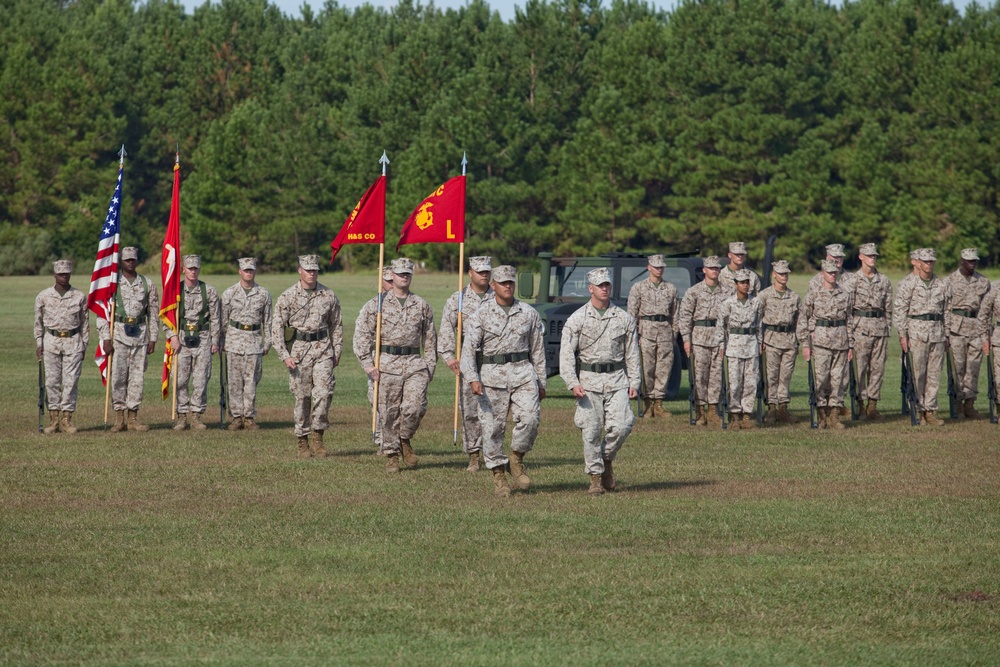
62,266
387,273
970,254
914,253
480,264
309,262
130,252
401,265
711,262
927,255
781,266
657,261
738,248
835,250
191,261
830,266
248,263
741,276
599,276
505,273
869,249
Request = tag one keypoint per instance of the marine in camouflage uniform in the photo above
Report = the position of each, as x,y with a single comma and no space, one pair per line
137,307
370,309
62,333
872,320
699,313
653,303
200,330
826,330
503,360
407,360
965,290
989,315
919,317
246,319
737,333
834,253
307,333
471,298
780,308
599,362
737,261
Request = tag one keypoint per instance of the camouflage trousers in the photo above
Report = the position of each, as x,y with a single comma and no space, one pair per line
927,359
402,404
780,366
128,369
656,343
707,374
311,383
523,406
194,368
830,367
743,374
62,374
377,435
967,357
869,359
468,412
605,421
244,372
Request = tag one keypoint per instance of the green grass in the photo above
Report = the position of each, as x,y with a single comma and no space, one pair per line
877,545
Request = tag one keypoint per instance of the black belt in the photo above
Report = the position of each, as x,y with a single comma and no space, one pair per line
64,334
654,318
400,349
508,358
928,317
193,328
244,327
780,328
831,323
603,368
743,331
139,319
310,336
704,323
964,313
869,313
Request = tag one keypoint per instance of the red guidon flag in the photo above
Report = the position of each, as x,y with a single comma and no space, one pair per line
440,218
366,224
170,270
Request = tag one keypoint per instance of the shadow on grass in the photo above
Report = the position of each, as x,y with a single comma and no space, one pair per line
623,486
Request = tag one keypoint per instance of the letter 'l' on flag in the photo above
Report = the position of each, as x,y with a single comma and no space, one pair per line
366,224
440,218
104,280
170,272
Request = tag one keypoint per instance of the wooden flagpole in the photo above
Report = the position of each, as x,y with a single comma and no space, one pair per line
458,333
384,161
111,359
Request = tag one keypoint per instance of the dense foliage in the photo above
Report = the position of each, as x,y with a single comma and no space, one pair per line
588,128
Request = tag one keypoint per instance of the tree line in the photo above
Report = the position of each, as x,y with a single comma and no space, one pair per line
588,128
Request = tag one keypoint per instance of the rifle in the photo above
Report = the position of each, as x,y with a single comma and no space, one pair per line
909,390
41,394
762,400
724,400
813,422
992,388
640,403
855,391
952,386
691,395
223,390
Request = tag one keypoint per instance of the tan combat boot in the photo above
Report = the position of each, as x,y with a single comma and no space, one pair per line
595,486
608,481
747,422
303,445
53,426
181,422
712,417
119,424
316,442
501,489
923,418
473,462
647,407
133,422
833,419
862,412
822,413
518,475
664,412
872,411
236,424
195,422
392,463
772,414
249,424
702,416
932,419
734,421
66,424
784,416
969,409
409,456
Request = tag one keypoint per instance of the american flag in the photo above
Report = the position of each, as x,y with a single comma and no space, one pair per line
104,280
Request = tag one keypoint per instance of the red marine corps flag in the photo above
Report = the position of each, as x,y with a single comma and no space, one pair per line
440,218
366,224
171,273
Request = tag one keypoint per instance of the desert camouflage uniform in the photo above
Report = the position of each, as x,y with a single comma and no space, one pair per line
844,280
508,386
727,281
194,364
872,319
965,297
315,314
63,354
989,315
918,314
826,327
137,300
472,436
246,319
656,309
595,339
370,310
403,377
699,313
779,320
741,348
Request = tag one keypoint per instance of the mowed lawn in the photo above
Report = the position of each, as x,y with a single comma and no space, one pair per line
876,545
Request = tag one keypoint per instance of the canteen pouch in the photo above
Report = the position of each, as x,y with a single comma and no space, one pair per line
289,338
192,341
131,330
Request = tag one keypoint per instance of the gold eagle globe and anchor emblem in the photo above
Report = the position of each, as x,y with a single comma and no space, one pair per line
425,217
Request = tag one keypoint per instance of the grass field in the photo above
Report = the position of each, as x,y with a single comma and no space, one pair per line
876,545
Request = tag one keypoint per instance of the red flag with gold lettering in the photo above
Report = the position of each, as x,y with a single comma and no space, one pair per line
440,218
366,224
170,273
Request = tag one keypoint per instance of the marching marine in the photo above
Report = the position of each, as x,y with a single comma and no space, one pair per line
699,313
872,319
653,303
246,314
137,307
737,334
370,310
780,308
737,261
503,360
62,333
965,290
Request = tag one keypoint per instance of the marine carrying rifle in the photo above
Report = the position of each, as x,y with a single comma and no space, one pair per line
223,390
813,422
41,394
908,389
952,386
992,387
